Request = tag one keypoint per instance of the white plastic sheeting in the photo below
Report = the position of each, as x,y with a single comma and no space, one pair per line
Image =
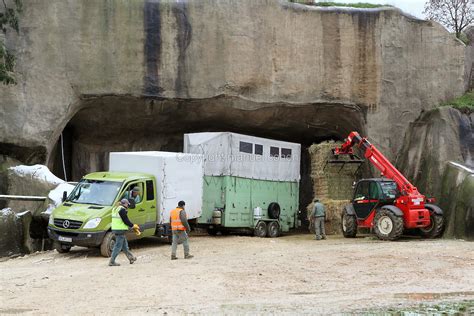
238,155
179,177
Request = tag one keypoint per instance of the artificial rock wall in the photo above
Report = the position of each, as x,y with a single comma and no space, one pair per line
321,72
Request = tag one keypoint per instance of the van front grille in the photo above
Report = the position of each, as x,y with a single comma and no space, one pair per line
67,223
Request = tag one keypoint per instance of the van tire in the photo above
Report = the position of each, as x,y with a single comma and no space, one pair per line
274,210
107,245
61,248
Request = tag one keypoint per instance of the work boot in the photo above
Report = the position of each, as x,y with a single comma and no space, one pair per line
114,264
173,257
132,259
188,256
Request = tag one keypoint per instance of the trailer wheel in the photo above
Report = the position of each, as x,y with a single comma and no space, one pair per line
435,229
61,248
107,245
387,225
348,224
273,229
274,210
261,229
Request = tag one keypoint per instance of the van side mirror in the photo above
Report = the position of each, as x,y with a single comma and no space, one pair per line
64,196
131,203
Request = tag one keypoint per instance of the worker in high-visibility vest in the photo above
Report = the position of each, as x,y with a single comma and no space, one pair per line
180,229
120,225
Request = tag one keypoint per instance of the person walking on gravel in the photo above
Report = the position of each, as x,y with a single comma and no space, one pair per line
120,225
180,229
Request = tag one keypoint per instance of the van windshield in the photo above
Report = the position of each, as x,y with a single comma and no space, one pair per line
389,190
95,192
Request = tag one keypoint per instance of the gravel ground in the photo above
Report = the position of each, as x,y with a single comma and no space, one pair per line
242,275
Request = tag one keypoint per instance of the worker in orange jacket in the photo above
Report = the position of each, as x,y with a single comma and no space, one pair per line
180,229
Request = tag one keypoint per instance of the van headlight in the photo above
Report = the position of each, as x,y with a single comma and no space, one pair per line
51,219
93,223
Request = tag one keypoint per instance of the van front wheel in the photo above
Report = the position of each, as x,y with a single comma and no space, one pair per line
61,248
107,244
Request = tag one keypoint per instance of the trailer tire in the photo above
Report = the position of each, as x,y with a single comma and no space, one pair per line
273,229
436,227
62,248
348,224
274,210
107,244
261,229
387,225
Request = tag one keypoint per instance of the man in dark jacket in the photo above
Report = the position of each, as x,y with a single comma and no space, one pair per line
120,225
318,216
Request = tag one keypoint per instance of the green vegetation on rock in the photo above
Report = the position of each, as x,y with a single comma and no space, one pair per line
464,103
338,4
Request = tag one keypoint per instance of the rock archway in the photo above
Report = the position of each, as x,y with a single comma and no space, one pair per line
125,123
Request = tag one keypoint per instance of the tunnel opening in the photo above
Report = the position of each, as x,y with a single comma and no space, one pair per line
124,123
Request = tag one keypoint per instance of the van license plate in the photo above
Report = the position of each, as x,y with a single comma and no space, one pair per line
66,239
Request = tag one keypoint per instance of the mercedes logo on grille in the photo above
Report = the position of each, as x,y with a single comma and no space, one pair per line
66,224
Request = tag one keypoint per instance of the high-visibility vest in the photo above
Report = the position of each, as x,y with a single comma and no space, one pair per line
117,222
175,220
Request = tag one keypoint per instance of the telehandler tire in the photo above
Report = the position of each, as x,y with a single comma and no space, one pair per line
348,224
107,245
436,227
387,225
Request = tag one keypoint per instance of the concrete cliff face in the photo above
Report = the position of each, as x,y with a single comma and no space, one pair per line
123,75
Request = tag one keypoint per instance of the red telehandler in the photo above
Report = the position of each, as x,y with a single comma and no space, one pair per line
388,205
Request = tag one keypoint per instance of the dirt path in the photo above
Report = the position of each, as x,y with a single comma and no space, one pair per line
239,275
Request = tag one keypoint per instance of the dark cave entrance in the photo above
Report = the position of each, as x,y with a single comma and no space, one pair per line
126,123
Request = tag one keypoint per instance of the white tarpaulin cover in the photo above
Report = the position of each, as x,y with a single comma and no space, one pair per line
179,177
245,156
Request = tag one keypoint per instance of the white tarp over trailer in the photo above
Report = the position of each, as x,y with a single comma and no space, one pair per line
178,177
245,156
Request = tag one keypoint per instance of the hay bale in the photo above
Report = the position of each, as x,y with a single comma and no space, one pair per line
332,185
333,215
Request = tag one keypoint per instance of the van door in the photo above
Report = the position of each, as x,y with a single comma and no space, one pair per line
150,206
137,215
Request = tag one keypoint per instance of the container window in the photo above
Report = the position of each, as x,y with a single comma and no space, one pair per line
150,192
245,147
286,153
274,152
258,149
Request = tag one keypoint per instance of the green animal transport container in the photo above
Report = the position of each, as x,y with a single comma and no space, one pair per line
250,183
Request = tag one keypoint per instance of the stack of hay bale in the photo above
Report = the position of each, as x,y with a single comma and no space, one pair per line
332,184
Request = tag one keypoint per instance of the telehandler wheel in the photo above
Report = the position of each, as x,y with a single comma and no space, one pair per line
273,229
61,248
349,224
261,229
107,245
387,225
435,229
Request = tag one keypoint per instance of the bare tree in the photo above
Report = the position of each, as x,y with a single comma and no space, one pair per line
456,15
